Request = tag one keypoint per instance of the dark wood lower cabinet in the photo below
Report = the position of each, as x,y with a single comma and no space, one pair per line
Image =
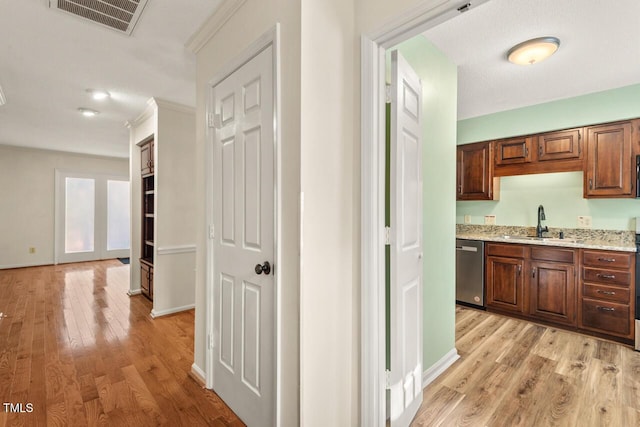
542,283
146,279
553,295
505,289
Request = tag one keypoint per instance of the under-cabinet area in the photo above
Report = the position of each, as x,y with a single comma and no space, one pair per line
584,289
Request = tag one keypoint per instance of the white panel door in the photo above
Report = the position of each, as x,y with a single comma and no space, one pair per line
243,248
406,242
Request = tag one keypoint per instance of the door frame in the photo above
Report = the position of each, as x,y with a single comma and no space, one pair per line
100,215
374,44
269,38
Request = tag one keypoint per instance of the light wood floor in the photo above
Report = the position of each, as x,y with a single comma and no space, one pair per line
83,353
515,373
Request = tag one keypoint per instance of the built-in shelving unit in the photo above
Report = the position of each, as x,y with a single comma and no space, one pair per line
148,219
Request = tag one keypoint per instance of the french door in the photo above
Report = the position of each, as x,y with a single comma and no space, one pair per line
92,217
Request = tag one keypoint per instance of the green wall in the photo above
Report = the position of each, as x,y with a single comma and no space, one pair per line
560,193
439,91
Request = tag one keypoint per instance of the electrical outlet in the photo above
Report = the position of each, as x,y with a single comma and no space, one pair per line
467,219
32,250
584,221
489,220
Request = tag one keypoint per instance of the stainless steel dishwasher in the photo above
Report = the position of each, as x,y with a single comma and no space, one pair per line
470,272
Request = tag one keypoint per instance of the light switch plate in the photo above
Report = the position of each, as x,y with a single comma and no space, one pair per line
584,221
489,220
467,219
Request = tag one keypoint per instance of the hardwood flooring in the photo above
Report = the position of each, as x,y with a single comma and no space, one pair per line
81,352
516,373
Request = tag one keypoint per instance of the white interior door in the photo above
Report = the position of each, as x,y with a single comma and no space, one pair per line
244,242
406,242
92,217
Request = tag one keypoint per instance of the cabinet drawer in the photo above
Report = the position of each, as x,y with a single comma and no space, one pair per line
512,251
608,259
601,275
553,254
609,293
607,317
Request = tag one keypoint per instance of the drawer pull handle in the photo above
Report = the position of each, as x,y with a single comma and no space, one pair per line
605,292
606,276
605,308
607,259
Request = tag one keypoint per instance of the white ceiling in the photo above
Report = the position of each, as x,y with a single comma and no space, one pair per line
49,58
599,50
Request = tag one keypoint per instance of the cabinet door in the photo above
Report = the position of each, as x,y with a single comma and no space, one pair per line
146,159
562,145
505,284
475,172
513,151
608,169
553,292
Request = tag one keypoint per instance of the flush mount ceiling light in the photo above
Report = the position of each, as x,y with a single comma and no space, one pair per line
99,95
533,51
87,112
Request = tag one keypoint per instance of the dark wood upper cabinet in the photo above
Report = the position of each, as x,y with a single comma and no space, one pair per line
513,151
608,171
474,168
146,158
561,145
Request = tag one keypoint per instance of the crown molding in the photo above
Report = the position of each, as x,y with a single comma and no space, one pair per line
213,24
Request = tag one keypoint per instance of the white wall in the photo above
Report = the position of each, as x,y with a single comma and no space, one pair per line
173,127
320,43
329,281
27,191
251,21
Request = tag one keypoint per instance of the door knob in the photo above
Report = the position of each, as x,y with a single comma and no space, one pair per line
263,268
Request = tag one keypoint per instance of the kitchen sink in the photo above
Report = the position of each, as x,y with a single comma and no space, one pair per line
542,239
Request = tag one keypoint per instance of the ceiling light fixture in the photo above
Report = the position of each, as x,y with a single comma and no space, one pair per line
87,112
533,51
99,95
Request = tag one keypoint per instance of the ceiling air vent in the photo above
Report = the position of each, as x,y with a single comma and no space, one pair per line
120,15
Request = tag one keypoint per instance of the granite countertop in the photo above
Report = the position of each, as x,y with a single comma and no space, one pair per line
610,240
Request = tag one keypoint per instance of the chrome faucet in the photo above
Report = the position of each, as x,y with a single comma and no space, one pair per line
541,217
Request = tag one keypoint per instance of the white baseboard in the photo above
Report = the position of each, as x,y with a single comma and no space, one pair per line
439,367
157,313
134,292
35,264
196,371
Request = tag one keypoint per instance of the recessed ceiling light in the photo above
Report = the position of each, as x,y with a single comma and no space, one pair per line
99,95
87,112
533,51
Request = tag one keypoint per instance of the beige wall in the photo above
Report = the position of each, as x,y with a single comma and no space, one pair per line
27,191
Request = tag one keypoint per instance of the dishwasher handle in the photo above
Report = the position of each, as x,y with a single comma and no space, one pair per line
466,248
